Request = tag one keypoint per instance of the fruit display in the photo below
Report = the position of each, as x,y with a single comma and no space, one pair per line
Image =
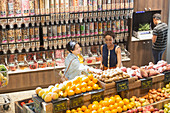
166,89
147,109
3,76
152,97
147,71
79,84
114,104
167,108
111,75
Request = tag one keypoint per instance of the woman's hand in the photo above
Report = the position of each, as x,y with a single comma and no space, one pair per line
101,66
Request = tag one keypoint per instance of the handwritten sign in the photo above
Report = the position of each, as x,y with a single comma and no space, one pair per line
38,106
76,101
60,105
146,83
167,76
122,85
97,95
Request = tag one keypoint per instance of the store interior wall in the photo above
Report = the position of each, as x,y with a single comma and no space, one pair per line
168,43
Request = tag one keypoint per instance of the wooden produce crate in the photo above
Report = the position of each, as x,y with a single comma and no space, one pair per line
18,107
26,108
157,82
57,106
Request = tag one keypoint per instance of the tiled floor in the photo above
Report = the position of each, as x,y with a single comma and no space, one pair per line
16,96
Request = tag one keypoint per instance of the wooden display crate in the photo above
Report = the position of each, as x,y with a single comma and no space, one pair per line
18,107
26,109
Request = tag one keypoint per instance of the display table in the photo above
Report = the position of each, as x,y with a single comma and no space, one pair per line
30,79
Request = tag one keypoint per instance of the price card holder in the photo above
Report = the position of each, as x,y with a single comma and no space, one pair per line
146,83
122,85
167,76
97,95
38,103
76,101
60,105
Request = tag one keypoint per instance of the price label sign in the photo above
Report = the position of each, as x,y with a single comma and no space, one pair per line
146,83
60,105
97,95
122,85
76,101
167,76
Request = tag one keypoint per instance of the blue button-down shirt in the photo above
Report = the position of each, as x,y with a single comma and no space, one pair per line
75,68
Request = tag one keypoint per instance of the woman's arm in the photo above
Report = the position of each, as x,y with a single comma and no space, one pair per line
119,58
101,65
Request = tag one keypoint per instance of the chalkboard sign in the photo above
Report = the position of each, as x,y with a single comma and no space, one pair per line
97,95
59,105
76,101
38,103
146,83
167,76
122,85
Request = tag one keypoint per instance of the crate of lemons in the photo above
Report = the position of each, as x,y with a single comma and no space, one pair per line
79,84
3,76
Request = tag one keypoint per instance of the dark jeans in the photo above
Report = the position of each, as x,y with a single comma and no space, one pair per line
157,54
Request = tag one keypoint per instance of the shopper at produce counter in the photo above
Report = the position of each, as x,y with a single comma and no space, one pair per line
159,39
111,53
72,63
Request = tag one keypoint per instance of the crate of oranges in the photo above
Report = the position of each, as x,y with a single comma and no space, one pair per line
113,104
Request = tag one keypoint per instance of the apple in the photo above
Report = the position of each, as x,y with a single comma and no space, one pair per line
129,111
142,100
132,99
140,109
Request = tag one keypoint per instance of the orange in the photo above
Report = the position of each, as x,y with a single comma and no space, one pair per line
68,111
83,89
118,99
89,88
80,112
94,111
65,94
90,83
111,107
95,86
106,99
99,110
95,106
78,109
105,103
57,85
71,92
95,102
112,101
78,90
90,76
100,106
101,102
129,106
121,103
87,111
117,96
83,108
43,96
84,84
78,85
105,109
124,108
69,83
119,109
73,87
73,111
94,80
90,106
115,105
40,93
126,101
85,79
112,97
114,111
